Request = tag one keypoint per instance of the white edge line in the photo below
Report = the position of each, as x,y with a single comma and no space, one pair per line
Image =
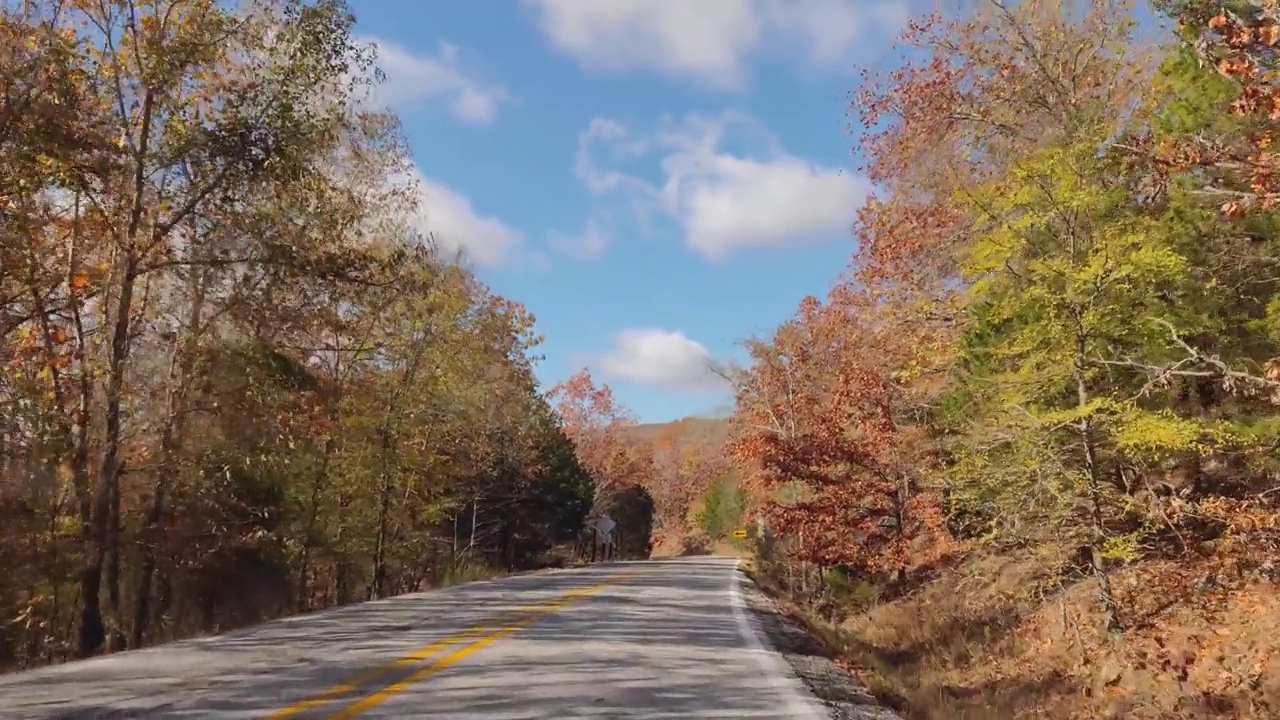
800,703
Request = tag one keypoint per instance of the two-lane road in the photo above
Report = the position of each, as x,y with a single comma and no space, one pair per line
653,640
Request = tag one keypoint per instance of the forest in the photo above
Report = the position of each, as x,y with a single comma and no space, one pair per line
1021,460
239,380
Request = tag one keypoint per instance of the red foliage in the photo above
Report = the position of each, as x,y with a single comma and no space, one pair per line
682,474
596,424
1242,171
819,417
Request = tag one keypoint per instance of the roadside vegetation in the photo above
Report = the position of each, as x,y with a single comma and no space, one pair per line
1021,461
238,379
1018,463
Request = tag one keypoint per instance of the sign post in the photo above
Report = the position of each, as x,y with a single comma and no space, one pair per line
602,532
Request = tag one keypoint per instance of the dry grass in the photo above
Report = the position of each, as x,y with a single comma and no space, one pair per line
996,639
686,545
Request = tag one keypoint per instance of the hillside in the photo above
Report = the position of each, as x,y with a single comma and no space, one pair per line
704,432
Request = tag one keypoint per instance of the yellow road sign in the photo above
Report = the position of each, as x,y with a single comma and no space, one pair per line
740,533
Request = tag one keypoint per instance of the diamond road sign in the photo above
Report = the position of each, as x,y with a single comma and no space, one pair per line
605,524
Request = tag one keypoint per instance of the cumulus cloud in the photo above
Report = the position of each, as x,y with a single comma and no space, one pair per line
830,32
732,202
586,245
663,358
412,79
723,202
457,228
711,41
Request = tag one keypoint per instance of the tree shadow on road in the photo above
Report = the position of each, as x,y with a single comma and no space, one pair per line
662,643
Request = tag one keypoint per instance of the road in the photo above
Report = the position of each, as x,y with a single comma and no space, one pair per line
653,640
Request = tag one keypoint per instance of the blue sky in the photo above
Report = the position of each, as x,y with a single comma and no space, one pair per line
654,179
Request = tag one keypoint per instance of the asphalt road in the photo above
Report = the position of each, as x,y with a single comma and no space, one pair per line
653,640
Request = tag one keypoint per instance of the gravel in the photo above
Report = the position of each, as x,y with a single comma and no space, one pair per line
844,697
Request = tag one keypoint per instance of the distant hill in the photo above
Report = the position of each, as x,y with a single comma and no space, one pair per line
704,432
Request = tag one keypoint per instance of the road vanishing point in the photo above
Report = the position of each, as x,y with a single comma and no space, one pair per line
651,640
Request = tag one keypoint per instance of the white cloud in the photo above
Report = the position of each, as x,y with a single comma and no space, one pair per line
724,202
456,227
414,78
831,31
587,245
614,137
705,40
732,202
666,359
711,41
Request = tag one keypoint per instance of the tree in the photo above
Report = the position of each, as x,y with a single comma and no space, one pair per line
822,432
237,382
683,472
1037,315
621,471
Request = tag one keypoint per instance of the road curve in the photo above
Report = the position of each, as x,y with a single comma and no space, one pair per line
653,640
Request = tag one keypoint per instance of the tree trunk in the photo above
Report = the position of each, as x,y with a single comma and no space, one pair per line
1110,613
377,586
101,523
80,428
109,467
115,614
342,568
475,505
181,365
74,435
387,438
303,602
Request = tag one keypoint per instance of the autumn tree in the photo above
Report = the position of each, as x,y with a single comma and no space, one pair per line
1056,337
684,470
238,381
1042,300
823,429
621,469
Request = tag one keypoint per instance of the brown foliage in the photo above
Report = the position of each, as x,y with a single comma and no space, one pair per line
597,425
826,423
235,384
1242,48
857,421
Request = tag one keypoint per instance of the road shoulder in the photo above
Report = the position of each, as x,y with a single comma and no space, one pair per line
840,694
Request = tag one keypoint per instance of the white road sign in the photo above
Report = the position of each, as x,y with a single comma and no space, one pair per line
605,524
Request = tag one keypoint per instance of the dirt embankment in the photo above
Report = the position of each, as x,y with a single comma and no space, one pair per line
996,639
814,661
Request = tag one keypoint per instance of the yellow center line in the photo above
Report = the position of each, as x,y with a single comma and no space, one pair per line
368,677
381,696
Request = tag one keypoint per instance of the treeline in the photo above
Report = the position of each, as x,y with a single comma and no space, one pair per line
667,492
236,382
1060,331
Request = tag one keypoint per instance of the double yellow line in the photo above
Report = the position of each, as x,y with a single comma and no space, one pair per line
488,635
